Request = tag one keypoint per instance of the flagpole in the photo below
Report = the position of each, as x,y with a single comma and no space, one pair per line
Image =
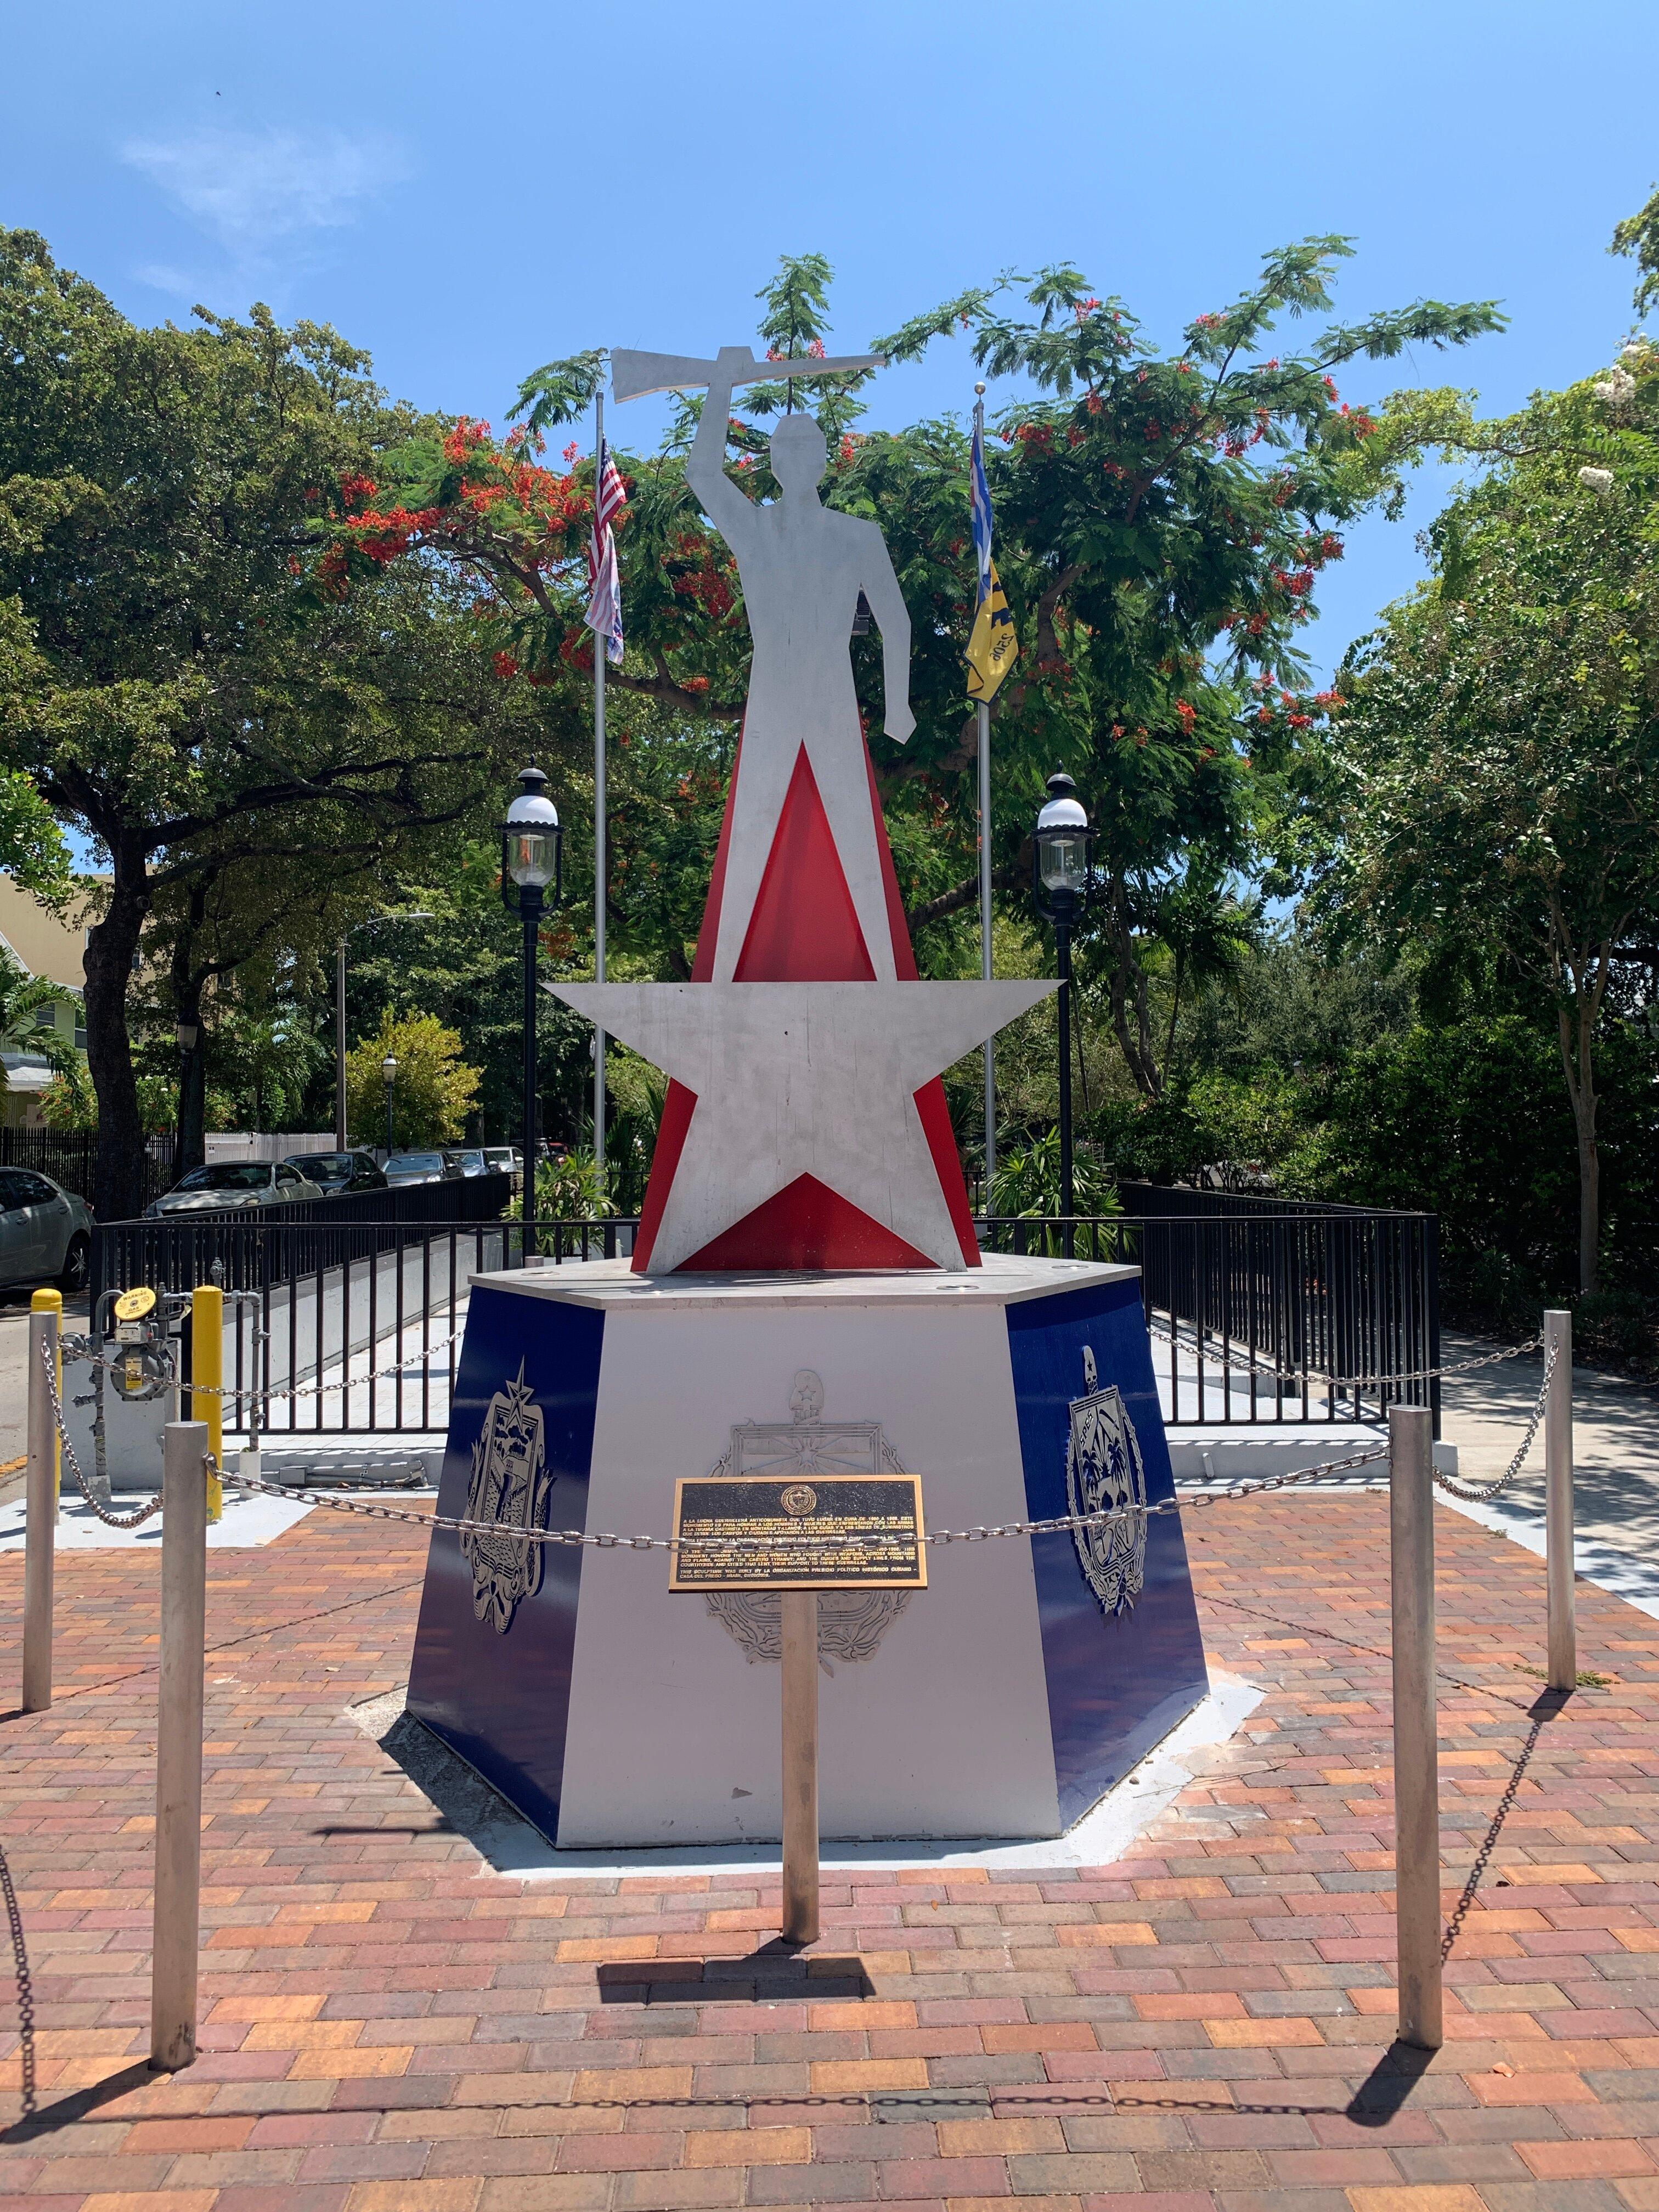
599,862
985,883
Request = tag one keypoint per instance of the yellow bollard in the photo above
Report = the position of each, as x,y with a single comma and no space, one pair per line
52,1302
207,1375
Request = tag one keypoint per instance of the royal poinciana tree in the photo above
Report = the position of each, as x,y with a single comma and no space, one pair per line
1162,522
192,671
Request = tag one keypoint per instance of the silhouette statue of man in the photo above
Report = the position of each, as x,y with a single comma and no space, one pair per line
802,566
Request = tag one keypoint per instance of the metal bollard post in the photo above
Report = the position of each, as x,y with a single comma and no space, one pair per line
176,1928
1557,1506
40,1508
207,1375
800,1765
1416,1761
52,1302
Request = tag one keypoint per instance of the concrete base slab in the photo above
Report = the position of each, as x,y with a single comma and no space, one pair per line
509,1844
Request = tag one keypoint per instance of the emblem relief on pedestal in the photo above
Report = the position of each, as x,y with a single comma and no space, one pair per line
1104,1474
509,1485
851,1623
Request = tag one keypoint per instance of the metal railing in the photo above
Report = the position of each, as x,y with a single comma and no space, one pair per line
249,1246
336,1325
1259,1312
1270,1311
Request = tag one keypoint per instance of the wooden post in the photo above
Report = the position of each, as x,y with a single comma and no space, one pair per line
800,1765
207,1375
177,1927
1416,1763
40,1509
1557,1506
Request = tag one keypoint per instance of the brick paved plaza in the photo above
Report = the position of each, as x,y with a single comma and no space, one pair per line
388,2025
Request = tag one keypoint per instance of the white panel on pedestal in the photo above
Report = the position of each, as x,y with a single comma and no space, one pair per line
943,1731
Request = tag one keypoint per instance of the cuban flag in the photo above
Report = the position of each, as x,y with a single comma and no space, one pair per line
981,494
604,584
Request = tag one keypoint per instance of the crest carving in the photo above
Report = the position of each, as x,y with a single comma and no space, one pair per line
1104,1474
851,1623
509,1485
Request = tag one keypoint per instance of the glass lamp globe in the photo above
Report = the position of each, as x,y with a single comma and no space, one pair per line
1062,840
530,836
389,1069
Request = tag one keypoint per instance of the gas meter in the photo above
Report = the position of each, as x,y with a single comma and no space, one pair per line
133,1350
144,1363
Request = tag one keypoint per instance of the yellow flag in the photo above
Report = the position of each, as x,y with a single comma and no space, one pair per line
993,648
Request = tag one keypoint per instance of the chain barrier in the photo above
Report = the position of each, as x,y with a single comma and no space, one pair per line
1241,1365
1472,1494
25,1989
109,1520
1062,1524
71,1348
1059,1525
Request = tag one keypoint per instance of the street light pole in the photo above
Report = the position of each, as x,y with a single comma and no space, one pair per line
389,1070
1061,849
1063,1002
532,857
339,1048
415,914
530,911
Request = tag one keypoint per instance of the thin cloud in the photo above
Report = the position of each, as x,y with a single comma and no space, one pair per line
254,191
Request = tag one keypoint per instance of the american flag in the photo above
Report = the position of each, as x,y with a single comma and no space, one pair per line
605,587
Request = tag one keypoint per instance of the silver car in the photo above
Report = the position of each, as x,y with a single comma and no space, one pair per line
466,1160
46,1233
225,1184
403,1168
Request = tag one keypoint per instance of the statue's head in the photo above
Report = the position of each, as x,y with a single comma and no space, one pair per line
800,456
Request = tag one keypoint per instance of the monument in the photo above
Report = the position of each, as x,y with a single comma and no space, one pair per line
807,1298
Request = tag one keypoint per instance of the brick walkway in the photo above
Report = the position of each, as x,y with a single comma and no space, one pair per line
388,2028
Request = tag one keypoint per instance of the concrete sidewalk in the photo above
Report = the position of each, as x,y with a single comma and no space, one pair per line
1201,2026
1615,1453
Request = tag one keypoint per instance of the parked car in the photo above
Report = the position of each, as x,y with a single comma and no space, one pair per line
466,1160
405,1168
45,1232
336,1173
504,1159
235,1184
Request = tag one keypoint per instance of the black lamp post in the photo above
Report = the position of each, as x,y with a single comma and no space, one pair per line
531,859
389,1071
1061,845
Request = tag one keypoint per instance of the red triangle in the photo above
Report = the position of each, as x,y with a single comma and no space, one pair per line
804,930
808,1225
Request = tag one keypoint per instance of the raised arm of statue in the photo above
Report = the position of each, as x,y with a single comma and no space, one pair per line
726,507
881,589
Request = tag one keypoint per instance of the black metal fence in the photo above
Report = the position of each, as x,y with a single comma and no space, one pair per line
1260,1311
1267,1312
69,1157
244,1247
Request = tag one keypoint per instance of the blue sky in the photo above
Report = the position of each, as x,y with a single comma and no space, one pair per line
470,190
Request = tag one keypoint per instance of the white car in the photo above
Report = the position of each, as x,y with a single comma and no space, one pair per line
227,1184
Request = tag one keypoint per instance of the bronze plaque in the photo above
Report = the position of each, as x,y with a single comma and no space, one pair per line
828,1532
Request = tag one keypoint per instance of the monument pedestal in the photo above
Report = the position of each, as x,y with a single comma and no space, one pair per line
1001,1701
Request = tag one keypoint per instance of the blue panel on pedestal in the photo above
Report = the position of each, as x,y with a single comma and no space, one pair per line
1118,1680
492,1671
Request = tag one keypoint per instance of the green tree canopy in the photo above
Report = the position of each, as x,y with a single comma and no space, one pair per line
1495,783
189,669
433,1092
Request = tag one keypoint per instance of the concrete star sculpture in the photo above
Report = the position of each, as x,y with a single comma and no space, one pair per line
796,1080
